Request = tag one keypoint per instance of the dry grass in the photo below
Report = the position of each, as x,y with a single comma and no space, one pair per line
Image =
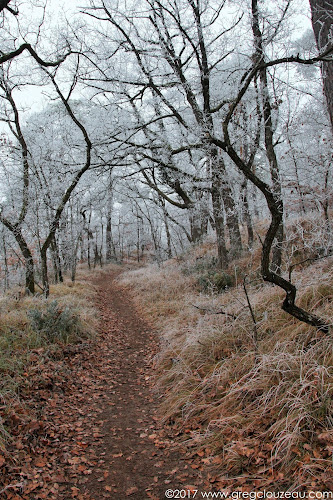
264,405
20,338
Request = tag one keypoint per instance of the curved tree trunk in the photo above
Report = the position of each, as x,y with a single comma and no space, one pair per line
67,194
269,133
16,227
27,255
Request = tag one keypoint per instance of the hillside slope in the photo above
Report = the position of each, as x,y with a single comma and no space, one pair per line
247,387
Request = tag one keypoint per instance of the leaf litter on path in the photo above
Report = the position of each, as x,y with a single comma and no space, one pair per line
95,432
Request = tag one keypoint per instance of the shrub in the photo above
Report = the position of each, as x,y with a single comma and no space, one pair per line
201,264
208,276
55,324
215,281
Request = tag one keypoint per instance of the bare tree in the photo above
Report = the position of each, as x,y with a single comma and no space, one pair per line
259,58
69,190
180,50
15,226
272,196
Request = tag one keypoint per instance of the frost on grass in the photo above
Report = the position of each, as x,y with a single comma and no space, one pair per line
263,404
34,330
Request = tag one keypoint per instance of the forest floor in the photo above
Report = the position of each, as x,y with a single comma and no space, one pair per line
97,434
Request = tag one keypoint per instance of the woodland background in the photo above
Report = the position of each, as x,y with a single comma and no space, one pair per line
194,136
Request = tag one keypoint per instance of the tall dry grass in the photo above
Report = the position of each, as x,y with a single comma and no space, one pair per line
260,396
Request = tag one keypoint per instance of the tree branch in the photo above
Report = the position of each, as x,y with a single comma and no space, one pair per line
26,46
4,5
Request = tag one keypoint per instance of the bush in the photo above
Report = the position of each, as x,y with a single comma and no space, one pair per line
215,281
209,277
200,265
55,324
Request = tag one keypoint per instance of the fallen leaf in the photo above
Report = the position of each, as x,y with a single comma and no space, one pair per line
192,489
131,491
40,462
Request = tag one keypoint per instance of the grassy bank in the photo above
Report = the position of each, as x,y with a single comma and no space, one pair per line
253,395
35,334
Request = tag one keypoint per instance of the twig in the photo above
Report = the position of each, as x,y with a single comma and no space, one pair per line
259,238
255,329
214,312
310,259
18,485
39,286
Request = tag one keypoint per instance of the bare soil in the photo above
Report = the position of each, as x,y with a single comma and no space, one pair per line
134,454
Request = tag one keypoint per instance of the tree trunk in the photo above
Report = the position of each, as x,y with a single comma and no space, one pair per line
29,262
88,252
56,261
195,227
247,215
269,134
167,232
199,217
74,258
110,248
274,203
68,192
45,278
6,284
322,21
222,199
232,222
55,266
219,221
96,254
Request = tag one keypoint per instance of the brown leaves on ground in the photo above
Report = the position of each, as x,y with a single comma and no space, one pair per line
86,424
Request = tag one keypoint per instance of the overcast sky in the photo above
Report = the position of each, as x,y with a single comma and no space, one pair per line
31,98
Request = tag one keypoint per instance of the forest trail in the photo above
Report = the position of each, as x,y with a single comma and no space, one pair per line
133,458
91,429
122,451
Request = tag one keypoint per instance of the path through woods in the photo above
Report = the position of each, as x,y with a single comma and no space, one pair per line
135,456
96,431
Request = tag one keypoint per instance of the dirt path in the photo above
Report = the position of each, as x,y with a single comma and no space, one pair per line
95,432
133,454
92,430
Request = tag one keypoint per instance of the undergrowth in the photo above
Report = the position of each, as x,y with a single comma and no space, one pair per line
259,396
34,330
